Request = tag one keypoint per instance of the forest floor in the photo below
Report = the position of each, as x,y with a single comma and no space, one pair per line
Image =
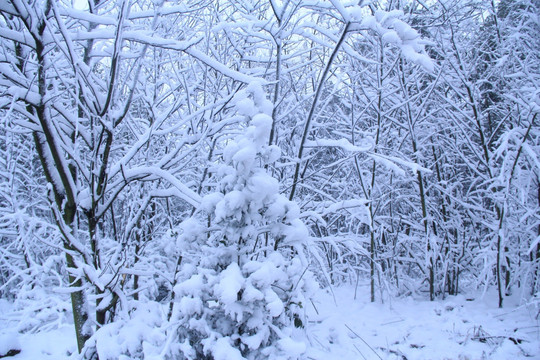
459,327
344,328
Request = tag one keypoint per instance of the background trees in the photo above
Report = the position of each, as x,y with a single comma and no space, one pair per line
419,173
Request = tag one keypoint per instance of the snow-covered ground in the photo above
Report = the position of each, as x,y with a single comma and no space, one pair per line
459,327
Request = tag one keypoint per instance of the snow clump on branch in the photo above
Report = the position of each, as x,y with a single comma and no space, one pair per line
396,32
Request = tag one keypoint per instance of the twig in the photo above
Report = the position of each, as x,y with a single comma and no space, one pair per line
314,307
358,336
393,322
357,349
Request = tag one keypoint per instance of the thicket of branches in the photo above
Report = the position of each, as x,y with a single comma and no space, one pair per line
156,152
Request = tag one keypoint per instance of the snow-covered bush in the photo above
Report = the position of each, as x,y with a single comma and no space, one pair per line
137,335
243,312
245,287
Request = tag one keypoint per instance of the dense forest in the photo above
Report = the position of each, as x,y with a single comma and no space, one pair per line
207,165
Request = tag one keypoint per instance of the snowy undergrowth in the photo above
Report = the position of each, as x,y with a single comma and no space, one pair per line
460,327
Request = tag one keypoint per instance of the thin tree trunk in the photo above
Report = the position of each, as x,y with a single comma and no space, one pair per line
431,274
64,198
307,125
537,252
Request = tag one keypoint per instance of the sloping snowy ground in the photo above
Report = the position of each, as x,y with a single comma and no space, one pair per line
461,327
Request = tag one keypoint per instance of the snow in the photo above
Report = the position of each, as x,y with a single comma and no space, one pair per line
295,348
21,37
262,186
246,107
230,284
534,243
197,128
210,201
273,304
339,327
254,341
398,33
183,191
341,9
224,351
138,336
8,342
459,327
367,144
345,204
262,274
244,158
216,65
251,293
57,344
262,123
87,16
356,13
189,305
296,233
390,162
191,286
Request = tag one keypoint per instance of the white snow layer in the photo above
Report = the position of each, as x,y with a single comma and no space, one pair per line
459,327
